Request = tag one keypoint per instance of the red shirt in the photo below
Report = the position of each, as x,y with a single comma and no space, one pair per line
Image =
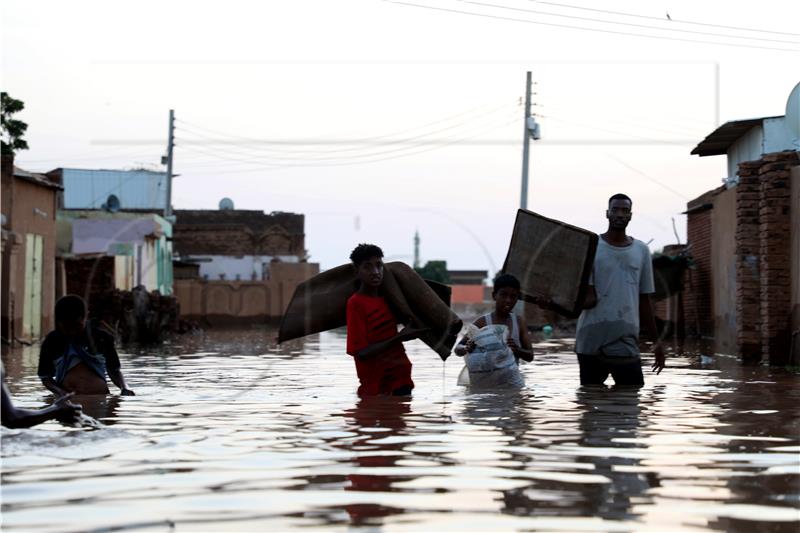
369,320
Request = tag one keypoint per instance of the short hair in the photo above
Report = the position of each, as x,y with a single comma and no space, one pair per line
70,307
364,251
505,280
620,196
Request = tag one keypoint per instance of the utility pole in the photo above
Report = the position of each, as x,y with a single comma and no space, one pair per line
170,146
523,199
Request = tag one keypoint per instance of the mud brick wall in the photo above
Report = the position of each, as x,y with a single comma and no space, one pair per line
748,251
697,283
775,254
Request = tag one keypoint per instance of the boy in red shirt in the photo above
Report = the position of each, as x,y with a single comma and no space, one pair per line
372,338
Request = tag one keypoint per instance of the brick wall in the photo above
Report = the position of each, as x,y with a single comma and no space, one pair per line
775,255
748,250
697,284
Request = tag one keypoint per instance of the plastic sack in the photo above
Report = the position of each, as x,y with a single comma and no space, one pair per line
491,364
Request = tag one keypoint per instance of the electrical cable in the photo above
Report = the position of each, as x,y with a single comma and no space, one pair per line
597,30
646,26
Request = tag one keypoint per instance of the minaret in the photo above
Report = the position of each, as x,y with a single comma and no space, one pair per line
416,249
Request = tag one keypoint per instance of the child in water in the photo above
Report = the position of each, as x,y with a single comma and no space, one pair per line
77,356
372,338
506,293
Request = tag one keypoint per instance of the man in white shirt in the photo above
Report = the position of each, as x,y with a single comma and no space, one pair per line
618,301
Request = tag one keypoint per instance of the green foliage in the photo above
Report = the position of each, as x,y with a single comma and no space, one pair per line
12,130
435,271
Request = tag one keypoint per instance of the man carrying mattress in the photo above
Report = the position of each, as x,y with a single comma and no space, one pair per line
372,338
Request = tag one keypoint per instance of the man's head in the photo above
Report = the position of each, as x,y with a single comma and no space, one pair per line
368,261
70,314
505,292
619,211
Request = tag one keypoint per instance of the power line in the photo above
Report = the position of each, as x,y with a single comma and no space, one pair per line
238,149
401,132
376,160
648,177
597,30
647,26
649,17
301,162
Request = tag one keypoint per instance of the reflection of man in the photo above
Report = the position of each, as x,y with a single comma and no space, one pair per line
608,419
607,338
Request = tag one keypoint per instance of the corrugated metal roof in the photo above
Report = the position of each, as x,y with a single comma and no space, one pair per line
719,140
39,179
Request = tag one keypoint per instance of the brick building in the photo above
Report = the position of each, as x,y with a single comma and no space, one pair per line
29,203
238,265
745,238
236,244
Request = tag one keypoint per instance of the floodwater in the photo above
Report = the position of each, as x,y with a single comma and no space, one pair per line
229,432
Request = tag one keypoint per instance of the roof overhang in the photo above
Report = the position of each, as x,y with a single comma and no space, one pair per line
719,140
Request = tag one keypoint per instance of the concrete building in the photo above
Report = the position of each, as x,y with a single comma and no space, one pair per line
28,252
745,238
248,263
123,248
468,286
142,190
236,244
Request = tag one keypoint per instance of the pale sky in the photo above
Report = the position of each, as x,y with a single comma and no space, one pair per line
376,119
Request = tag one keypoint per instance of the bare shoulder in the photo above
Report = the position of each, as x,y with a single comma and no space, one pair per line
480,321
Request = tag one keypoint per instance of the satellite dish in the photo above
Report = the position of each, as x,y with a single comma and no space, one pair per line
793,115
226,204
112,204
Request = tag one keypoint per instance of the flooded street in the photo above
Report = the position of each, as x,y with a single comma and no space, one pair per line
229,432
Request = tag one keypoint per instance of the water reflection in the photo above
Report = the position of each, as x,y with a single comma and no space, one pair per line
611,418
377,421
230,432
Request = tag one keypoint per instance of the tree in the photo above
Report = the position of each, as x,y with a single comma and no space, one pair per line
435,271
12,130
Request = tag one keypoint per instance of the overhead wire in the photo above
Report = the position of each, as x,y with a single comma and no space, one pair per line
242,149
583,28
650,17
256,154
630,24
380,159
306,163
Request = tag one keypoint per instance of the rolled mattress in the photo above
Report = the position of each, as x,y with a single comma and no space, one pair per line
320,304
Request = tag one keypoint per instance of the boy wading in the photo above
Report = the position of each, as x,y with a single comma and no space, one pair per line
607,338
372,338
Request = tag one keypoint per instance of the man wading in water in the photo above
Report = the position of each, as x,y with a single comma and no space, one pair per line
607,338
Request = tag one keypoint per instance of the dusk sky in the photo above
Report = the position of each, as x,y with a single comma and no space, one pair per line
376,119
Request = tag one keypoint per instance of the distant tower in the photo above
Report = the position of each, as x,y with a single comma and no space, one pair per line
416,249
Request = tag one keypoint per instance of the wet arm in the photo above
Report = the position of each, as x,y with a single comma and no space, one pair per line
525,352
16,417
119,380
590,300
52,386
647,317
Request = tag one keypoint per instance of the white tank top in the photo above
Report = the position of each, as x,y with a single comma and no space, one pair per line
514,326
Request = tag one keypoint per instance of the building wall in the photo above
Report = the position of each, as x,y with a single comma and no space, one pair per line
33,213
244,268
242,301
466,294
723,270
136,189
139,243
748,147
697,301
795,253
